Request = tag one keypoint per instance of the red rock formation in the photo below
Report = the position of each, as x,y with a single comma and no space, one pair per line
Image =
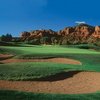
96,33
77,34
81,33
25,35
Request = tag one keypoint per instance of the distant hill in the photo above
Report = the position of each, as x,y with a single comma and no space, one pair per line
79,34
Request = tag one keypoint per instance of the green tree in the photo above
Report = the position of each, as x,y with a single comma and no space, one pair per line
6,38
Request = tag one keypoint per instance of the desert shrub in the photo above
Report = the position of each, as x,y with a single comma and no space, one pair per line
3,43
97,43
45,40
34,41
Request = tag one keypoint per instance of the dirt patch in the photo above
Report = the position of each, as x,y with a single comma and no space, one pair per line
55,60
79,82
5,56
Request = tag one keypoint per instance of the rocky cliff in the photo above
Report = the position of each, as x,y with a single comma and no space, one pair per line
78,34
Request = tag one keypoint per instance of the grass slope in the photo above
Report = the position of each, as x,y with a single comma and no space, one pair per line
28,71
15,95
32,70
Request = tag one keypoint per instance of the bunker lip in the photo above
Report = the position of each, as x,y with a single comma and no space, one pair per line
55,60
5,56
78,83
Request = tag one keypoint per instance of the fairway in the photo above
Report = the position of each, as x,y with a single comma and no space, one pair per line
49,50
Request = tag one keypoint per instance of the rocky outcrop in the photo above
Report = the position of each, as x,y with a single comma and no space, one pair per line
25,35
96,33
95,37
44,36
81,33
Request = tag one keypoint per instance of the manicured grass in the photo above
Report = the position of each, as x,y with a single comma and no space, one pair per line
54,50
29,71
32,70
15,95
84,46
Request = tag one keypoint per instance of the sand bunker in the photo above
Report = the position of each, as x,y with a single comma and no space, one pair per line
55,60
79,82
5,56
7,59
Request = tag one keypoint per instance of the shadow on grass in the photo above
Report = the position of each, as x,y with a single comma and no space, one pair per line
4,58
59,76
1,63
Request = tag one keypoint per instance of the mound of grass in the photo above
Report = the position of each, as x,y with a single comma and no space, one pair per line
84,46
15,95
35,70
94,47
29,71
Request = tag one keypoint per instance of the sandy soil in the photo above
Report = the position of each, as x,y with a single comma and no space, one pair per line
73,82
56,60
79,82
4,56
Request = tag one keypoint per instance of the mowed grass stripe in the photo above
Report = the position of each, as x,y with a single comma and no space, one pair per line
44,50
27,71
16,95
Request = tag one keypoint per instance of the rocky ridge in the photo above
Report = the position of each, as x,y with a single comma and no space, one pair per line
78,34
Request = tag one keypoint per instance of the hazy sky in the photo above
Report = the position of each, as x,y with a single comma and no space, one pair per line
25,15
